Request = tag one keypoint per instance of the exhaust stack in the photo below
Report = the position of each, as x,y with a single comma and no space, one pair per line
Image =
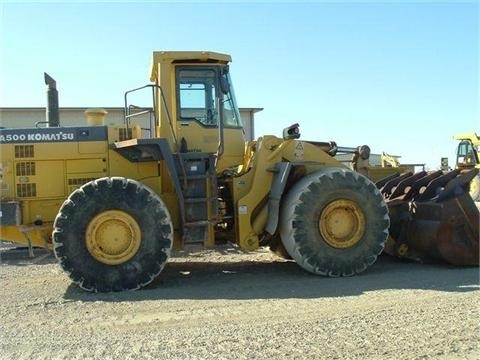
52,112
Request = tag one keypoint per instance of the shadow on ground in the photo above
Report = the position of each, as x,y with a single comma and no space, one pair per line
18,256
284,279
266,280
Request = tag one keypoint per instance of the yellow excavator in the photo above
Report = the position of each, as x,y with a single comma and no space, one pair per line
112,201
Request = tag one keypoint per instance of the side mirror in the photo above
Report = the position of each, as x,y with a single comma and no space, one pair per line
291,132
224,85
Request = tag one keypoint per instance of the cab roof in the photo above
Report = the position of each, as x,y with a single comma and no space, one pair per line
186,57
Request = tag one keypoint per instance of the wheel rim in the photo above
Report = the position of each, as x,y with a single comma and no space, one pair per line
113,237
342,223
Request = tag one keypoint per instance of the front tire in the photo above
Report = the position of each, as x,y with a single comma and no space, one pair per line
334,222
113,234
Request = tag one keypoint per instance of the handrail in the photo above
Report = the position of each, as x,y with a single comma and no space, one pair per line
127,114
138,113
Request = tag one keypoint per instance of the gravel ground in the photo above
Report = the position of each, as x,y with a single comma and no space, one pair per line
228,304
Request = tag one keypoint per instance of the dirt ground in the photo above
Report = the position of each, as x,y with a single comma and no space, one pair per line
227,304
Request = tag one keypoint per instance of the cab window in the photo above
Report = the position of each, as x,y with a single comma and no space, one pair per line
197,95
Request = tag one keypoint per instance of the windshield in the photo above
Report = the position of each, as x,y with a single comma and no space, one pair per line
231,115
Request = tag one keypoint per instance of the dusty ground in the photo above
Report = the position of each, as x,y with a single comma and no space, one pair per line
232,305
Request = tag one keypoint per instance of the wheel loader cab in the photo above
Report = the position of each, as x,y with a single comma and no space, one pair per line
467,155
203,115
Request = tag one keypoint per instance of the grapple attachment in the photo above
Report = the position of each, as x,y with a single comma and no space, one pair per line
432,217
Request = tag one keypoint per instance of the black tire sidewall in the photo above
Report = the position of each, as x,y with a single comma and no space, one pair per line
300,222
94,198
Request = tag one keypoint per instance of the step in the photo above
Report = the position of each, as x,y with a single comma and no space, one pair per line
198,223
195,234
195,177
191,200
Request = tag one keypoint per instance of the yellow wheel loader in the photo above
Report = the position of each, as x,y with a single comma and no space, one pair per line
468,158
112,201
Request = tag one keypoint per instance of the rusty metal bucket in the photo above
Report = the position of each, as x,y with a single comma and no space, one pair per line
432,217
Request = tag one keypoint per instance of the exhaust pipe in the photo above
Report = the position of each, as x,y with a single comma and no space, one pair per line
52,112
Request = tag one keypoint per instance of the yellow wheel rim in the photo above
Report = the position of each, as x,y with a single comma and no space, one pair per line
113,237
342,223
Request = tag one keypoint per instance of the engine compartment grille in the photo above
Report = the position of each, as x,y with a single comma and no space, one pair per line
26,168
26,190
24,151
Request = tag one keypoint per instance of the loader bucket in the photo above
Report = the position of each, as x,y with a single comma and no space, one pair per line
432,217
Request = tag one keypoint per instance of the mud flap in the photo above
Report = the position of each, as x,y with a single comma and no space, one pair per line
432,217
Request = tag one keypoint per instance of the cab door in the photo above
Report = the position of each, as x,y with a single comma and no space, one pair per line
208,119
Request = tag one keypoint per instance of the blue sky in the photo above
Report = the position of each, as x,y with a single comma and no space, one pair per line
401,77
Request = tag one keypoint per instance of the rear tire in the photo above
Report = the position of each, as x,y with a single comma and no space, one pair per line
113,234
334,222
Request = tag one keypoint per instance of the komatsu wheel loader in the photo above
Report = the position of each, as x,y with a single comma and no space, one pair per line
112,201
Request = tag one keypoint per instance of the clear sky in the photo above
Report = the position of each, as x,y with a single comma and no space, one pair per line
401,77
